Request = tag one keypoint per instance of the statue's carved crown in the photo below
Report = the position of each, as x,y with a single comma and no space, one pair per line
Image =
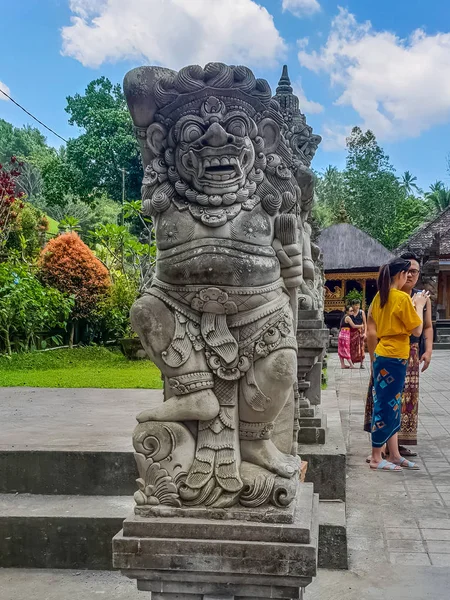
184,92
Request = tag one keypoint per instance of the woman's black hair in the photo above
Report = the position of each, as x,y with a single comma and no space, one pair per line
387,272
410,256
355,302
346,309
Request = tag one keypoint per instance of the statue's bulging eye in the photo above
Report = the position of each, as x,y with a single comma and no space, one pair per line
237,127
191,132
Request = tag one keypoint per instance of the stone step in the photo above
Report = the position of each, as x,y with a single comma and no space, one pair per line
441,346
310,324
75,532
114,473
67,472
332,535
317,419
307,412
327,461
62,532
312,435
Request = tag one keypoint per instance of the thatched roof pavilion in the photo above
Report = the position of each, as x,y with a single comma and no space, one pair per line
351,260
431,242
347,248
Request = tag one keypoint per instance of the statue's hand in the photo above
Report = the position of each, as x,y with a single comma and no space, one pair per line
290,257
305,180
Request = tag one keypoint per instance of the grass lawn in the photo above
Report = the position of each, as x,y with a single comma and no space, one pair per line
53,226
95,367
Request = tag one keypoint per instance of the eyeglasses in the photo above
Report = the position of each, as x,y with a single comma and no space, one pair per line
413,272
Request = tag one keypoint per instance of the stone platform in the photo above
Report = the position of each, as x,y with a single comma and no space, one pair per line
70,468
195,558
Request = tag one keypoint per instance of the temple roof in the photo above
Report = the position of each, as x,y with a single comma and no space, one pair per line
346,247
284,94
423,237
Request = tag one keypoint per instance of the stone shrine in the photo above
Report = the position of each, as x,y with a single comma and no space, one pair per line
236,292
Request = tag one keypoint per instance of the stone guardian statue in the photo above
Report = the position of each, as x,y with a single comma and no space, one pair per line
222,185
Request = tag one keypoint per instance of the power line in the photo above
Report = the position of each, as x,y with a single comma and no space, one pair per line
33,117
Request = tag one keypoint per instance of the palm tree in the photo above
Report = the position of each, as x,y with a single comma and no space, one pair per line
408,184
438,196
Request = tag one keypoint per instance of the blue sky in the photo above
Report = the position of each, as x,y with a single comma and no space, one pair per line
383,65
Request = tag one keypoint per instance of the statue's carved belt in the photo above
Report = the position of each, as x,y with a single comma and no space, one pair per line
214,245
205,315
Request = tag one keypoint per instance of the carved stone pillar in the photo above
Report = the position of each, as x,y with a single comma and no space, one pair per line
312,338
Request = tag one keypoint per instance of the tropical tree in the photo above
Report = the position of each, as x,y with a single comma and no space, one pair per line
408,183
11,201
106,145
22,142
330,193
67,264
59,176
375,200
28,309
438,197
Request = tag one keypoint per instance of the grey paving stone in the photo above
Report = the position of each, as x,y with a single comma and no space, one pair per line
398,533
439,547
436,534
434,523
440,560
446,499
409,558
406,546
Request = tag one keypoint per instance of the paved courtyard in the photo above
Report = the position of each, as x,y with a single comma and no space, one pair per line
399,517
398,524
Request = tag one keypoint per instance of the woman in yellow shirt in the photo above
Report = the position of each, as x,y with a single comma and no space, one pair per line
393,317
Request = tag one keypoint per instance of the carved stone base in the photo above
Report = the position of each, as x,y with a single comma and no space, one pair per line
198,558
312,339
314,377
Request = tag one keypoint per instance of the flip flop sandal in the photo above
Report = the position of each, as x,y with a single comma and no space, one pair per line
385,465
406,451
383,455
407,464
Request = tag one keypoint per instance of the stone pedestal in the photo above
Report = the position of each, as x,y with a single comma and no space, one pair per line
312,338
314,377
274,556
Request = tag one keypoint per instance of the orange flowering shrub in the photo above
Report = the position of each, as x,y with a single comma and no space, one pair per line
70,266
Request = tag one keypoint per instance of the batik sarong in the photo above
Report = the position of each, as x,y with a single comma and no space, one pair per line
388,382
356,346
410,400
344,343
368,412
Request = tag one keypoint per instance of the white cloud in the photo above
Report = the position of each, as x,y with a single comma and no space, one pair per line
399,87
334,136
300,8
5,88
173,33
307,106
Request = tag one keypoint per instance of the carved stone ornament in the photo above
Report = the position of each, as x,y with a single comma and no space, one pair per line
229,194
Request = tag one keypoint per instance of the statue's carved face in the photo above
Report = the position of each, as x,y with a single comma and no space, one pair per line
216,155
214,152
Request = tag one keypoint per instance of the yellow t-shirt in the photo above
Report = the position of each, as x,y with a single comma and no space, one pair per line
395,322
